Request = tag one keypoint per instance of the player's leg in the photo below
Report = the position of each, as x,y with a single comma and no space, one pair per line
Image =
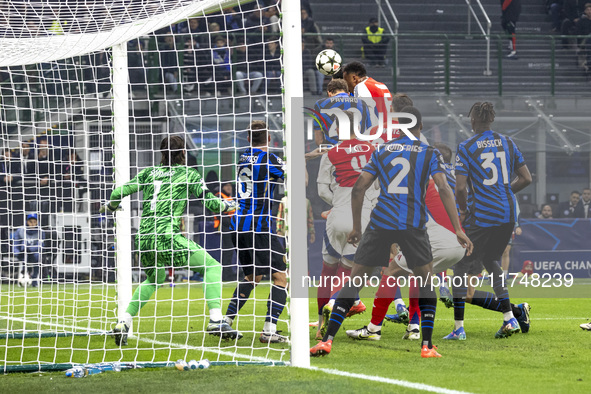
330,265
497,238
414,244
245,242
185,250
505,260
278,294
155,275
373,251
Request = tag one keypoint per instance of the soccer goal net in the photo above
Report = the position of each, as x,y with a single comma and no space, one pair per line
88,90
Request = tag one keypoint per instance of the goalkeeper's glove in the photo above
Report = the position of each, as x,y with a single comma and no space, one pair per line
229,205
108,208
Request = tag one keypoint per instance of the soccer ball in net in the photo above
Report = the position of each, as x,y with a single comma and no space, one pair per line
328,62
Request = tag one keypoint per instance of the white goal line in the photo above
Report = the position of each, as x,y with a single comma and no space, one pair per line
396,382
155,342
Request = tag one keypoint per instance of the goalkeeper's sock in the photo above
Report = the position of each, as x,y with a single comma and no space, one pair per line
275,304
212,278
459,296
239,298
141,296
488,300
127,318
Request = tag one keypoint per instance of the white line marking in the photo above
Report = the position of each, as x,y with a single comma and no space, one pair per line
156,342
396,382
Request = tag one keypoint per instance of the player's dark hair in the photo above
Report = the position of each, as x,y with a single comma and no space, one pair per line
546,205
444,150
337,85
338,75
172,150
483,113
355,68
575,191
257,133
586,189
401,100
329,39
414,111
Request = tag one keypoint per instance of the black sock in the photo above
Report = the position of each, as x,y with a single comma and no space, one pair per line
239,298
276,303
499,285
343,303
488,300
459,297
428,306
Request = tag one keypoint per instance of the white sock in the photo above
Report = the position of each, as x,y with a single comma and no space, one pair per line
506,272
331,302
399,301
320,320
356,302
459,324
215,314
414,327
269,327
373,328
127,318
508,315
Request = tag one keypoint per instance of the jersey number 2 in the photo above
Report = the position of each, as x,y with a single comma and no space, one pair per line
394,186
488,158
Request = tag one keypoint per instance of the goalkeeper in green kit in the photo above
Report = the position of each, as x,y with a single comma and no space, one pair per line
166,189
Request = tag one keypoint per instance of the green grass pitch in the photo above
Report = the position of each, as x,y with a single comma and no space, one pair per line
554,357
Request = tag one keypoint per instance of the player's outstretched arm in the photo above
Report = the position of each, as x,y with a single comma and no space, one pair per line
449,203
523,179
363,183
121,192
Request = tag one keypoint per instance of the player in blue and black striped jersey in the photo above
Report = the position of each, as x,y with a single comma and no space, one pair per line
402,168
325,127
485,164
259,250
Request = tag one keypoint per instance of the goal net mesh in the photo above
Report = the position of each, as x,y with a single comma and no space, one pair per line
203,70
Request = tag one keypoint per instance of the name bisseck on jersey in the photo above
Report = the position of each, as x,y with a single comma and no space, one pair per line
489,143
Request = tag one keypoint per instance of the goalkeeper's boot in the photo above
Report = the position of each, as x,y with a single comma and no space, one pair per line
456,335
321,349
120,333
429,353
222,329
364,334
273,337
356,309
326,311
508,328
401,315
586,326
446,297
523,320
412,332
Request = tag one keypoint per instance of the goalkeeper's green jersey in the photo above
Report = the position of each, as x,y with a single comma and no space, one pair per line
166,191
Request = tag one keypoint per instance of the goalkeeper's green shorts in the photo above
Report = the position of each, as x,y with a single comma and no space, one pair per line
166,250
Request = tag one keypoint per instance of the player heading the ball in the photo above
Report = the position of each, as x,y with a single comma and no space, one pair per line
166,189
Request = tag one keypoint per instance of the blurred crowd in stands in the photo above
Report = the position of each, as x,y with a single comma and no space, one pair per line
573,18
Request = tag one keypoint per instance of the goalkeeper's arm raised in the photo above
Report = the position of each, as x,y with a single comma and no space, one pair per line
120,192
